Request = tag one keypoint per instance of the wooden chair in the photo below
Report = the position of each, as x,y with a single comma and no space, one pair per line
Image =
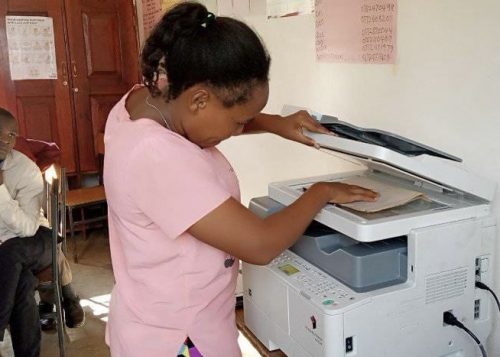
87,197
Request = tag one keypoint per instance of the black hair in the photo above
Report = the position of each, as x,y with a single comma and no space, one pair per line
191,46
5,114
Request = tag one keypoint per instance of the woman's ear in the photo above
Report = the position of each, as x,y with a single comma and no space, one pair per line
199,100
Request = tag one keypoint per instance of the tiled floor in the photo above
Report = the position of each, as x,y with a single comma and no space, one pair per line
93,281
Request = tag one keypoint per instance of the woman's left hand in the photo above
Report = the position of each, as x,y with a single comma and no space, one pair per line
292,126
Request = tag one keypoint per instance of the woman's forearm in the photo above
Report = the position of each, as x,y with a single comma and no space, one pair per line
264,123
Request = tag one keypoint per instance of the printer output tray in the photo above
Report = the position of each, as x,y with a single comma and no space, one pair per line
361,266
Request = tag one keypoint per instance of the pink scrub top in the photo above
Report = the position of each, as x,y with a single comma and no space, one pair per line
169,285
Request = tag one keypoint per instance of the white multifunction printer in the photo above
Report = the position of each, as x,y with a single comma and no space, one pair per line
378,284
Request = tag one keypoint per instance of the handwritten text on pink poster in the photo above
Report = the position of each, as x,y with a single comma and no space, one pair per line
356,31
151,13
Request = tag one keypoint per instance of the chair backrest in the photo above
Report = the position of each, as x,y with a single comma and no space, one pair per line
55,190
54,223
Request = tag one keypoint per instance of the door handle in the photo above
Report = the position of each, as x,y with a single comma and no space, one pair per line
64,71
75,69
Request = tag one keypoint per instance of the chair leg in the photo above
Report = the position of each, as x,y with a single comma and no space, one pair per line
60,321
55,220
84,226
72,234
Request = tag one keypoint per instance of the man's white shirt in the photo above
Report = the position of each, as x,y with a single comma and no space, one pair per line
21,197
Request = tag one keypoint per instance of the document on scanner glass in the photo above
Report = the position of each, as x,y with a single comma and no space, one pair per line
389,196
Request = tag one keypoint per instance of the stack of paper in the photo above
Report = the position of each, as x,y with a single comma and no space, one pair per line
389,196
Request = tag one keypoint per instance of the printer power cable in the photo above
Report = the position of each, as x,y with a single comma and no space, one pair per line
483,286
450,319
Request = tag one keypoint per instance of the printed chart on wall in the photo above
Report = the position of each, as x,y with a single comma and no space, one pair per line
356,31
151,11
150,14
31,47
286,8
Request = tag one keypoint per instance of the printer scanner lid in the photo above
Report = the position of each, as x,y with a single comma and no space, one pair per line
398,156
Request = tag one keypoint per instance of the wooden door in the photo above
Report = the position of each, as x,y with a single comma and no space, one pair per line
97,59
42,107
103,65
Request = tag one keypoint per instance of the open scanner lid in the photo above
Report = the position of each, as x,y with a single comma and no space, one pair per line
398,156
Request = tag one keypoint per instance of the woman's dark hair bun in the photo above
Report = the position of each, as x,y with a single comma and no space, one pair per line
192,45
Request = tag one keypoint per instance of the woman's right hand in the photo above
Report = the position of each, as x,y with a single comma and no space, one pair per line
263,239
345,193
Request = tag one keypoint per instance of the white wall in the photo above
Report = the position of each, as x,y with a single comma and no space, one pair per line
444,91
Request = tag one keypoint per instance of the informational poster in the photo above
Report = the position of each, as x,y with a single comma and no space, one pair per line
149,12
356,31
285,8
31,46
237,8
150,15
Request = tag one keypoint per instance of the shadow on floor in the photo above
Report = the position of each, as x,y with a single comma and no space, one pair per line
93,281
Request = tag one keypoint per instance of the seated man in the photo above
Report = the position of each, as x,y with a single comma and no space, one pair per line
25,241
45,154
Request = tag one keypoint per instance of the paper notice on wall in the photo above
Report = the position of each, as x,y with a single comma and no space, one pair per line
285,8
356,31
149,12
238,8
150,15
31,46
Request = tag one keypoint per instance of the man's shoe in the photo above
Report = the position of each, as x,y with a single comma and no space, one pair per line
73,313
47,322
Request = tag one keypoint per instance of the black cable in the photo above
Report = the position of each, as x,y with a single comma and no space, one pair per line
450,319
483,286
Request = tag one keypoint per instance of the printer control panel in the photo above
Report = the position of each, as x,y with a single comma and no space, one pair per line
313,283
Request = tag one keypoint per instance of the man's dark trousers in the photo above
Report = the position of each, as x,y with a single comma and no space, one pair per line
20,259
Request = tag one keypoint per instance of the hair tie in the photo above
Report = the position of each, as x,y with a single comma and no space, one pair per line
208,20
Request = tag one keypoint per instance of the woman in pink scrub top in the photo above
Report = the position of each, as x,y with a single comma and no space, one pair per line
177,228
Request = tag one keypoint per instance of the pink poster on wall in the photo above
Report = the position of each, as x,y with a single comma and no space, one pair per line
356,31
151,13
